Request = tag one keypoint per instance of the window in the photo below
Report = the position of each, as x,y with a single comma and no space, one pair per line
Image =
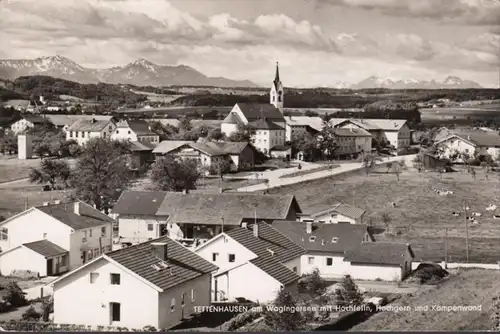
64,260
84,234
312,238
76,134
83,134
71,134
110,128
335,239
329,261
104,135
115,279
103,231
150,227
115,311
93,277
45,235
193,295
172,305
90,233
231,257
117,131
214,256
310,260
182,299
4,234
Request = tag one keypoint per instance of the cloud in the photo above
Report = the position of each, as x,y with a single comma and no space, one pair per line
475,12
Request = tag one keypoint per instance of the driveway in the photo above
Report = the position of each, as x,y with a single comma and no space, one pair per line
275,181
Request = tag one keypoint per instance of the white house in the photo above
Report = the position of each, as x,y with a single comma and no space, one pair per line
195,216
337,214
135,130
352,141
156,283
83,130
296,125
472,143
346,249
394,131
266,135
259,253
28,122
65,121
53,238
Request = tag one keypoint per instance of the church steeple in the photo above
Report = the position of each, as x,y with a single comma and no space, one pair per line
276,95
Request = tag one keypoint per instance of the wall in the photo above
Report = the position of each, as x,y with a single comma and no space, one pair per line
92,245
228,128
374,272
124,134
393,138
338,268
456,144
404,136
77,301
25,147
294,265
31,226
168,318
22,258
332,218
134,229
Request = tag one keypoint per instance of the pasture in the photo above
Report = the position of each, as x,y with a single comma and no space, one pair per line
421,217
13,169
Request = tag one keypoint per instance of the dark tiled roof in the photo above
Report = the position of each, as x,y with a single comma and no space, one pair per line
65,213
139,202
280,148
351,132
209,209
284,249
378,253
184,265
264,124
220,148
92,125
343,209
276,270
347,235
62,120
36,119
138,146
140,127
481,139
45,248
254,111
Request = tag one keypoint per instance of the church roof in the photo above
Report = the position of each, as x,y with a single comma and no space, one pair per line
255,111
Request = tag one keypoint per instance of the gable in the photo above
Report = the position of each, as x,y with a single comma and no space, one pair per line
27,218
236,109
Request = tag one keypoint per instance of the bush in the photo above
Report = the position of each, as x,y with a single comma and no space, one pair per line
240,320
312,284
15,296
408,150
31,314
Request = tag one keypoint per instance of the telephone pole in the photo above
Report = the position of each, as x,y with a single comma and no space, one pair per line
466,232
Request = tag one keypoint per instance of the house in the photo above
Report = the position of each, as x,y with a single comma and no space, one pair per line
135,130
83,130
245,113
54,238
240,154
281,151
430,161
388,261
393,131
141,153
65,121
144,215
336,214
471,143
352,141
28,122
266,135
297,125
259,253
324,245
157,283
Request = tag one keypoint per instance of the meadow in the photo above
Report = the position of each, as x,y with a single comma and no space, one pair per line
13,169
421,217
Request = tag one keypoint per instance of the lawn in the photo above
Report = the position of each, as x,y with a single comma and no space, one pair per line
12,168
420,217
473,287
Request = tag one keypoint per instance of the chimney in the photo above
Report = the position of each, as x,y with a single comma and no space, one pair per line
57,201
468,137
309,227
76,207
256,230
159,250
244,225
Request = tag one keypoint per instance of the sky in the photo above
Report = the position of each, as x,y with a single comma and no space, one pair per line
316,42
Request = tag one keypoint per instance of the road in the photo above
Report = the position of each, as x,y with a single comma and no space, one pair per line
275,180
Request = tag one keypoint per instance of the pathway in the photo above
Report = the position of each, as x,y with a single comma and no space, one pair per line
275,181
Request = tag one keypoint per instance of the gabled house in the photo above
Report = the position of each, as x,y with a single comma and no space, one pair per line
297,125
65,121
135,130
83,130
471,143
157,283
141,153
266,135
324,244
352,141
28,122
337,214
245,113
54,238
259,253
394,131
195,216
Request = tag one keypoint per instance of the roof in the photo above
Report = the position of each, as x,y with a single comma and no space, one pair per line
45,248
344,209
63,120
139,127
280,148
65,213
139,202
167,146
17,103
232,118
483,139
379,253
314,122
254,111
348,235
264,124
276,270
220,148
378,124
351,132
89,125
35,119
210,209
138,146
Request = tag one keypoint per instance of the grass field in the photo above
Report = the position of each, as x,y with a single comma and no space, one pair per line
13,169
474,287
420,217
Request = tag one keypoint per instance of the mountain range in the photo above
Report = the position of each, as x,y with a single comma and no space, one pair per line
145,73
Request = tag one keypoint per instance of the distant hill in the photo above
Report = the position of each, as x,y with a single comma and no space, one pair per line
139,73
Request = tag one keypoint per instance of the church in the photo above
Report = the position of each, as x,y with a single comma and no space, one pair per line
266,121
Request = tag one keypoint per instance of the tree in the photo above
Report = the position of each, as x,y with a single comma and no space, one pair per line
51,171
306,143
327,140
312,283
215,134
165,132
369,162
396,169
101,172
14,295
242,134
31,314
348,293
418,162
495,316
220,167
170,174
8,143
185,125
282,316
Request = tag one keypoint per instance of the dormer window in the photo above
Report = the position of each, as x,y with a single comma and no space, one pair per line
335,240
312,238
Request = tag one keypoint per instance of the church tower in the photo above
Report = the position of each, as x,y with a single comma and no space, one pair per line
276,95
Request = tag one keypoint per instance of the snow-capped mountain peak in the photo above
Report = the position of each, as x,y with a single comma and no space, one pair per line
452,81
409,83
